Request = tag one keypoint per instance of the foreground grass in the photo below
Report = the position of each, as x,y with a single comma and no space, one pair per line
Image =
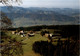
27,48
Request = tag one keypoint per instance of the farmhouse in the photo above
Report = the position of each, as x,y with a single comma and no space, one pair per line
30,34
13,32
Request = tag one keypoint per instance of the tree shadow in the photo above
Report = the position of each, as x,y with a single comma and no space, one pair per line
45,48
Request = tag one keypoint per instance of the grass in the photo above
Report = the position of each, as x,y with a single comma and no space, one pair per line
27,48
29,42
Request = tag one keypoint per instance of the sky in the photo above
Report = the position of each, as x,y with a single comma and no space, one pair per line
49,3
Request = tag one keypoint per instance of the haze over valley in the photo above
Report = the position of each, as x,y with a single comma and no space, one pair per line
23,17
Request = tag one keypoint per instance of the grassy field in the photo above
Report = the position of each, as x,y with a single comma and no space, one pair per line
28,42
27,48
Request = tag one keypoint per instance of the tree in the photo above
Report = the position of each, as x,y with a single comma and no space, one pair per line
12,46
5,21
9,2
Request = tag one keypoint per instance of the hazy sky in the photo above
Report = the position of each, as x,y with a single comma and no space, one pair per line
50,3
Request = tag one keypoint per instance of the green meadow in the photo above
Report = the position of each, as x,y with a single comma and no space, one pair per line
27,48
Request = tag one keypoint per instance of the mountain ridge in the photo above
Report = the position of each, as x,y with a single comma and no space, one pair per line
41,16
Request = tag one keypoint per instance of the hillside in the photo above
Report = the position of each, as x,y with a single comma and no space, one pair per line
41,16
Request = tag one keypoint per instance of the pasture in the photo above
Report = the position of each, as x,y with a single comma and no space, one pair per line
41,42
27,48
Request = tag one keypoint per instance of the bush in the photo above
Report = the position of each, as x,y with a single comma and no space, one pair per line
45,48
43,32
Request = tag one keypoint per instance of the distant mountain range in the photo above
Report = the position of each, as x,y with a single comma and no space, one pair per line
22,17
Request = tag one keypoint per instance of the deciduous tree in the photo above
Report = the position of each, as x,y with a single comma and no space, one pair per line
5,21
9,2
